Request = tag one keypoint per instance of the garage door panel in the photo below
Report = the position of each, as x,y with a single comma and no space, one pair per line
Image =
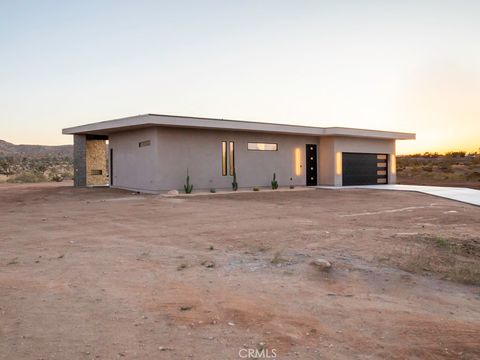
364,169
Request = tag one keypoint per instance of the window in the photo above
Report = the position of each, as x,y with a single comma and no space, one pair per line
96,172
262,147
232,157
144,143
224,158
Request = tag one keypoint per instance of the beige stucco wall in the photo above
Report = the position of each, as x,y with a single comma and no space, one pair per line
134,167
96,159
200,152
163,165
331,159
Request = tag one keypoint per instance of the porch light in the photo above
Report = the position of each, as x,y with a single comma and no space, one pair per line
298,162
338,163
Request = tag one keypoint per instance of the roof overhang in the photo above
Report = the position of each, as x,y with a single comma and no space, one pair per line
149,120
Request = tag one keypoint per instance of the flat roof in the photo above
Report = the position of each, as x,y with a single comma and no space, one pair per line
149,120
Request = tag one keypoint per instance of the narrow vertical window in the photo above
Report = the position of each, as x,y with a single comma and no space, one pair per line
224,158
232,157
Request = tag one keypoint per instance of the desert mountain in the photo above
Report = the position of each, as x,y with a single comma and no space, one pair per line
9,149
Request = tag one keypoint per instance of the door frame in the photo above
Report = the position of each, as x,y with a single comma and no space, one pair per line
110,175
309,163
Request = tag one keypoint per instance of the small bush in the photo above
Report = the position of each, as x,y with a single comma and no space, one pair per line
256,189
56,178
441,242
28,177
278,258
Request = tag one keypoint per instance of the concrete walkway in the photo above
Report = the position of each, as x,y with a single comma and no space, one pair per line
466,195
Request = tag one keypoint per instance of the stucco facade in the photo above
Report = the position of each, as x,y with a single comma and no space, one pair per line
332,147
152,153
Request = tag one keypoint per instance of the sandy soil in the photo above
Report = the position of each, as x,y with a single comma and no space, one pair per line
107,274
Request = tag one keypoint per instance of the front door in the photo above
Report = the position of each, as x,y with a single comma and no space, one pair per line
311,163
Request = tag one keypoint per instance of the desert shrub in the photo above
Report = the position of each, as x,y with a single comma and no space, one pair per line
67,175
452,259
56,177
455,154
446,168
473,175
278,258
28,177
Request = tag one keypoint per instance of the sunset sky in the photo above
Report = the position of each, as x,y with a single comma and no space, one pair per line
389,65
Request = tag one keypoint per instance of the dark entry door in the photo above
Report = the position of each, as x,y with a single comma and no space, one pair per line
311,162
364,169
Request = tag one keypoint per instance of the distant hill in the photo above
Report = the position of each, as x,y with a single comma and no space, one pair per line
35,151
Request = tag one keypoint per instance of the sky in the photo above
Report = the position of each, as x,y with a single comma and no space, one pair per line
405,65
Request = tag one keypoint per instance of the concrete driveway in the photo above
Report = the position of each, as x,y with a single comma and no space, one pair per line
466,195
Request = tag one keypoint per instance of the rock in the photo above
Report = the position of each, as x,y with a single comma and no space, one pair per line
162,348
185,308
322,264
208,264
231,323
173,192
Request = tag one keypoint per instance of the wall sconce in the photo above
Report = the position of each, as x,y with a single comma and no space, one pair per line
298,162
338,163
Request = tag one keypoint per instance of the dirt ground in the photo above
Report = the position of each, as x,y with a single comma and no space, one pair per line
108,274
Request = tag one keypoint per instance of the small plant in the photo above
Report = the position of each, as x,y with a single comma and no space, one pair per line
256,188
234,182
441,242
56,178
188,187
291,184
213,190
274,182
278,259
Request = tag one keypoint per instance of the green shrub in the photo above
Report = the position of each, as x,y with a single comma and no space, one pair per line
274,182
188,187
234,182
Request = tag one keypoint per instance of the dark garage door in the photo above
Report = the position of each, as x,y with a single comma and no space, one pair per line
364,169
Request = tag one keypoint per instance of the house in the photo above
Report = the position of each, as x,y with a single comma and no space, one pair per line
153,153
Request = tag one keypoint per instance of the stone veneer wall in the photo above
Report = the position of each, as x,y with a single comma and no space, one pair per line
96,162
79,161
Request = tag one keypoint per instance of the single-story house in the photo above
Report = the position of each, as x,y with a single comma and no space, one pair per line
154,153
